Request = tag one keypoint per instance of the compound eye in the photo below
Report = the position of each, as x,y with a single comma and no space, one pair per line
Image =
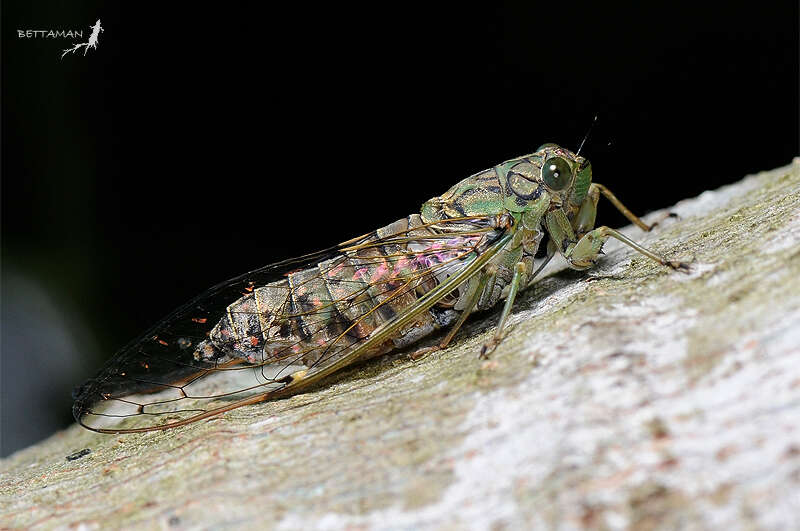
556,173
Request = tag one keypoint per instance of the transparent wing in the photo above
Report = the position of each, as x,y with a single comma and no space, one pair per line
324,308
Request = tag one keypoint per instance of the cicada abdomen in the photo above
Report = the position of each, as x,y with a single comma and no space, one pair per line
318,314
301,322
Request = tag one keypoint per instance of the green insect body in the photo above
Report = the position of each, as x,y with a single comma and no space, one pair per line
276,331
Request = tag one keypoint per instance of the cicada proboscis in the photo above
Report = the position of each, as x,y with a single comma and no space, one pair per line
277,330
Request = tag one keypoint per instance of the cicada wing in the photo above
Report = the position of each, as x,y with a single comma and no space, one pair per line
153,373
159,380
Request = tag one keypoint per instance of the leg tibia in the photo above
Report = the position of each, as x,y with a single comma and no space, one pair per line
586,251
633,218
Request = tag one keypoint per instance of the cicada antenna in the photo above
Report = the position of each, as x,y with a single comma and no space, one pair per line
586,137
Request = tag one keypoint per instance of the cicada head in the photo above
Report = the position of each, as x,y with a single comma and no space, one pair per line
564,175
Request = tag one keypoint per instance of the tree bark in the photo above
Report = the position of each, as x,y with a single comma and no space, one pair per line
630,395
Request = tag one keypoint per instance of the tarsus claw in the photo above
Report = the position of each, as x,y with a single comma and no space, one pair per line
677,265
484,352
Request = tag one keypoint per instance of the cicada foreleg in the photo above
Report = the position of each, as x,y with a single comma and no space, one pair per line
596,189
580,243
589,209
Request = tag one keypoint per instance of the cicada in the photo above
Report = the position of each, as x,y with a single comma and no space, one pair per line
277,330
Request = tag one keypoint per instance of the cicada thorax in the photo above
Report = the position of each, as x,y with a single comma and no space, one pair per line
323,312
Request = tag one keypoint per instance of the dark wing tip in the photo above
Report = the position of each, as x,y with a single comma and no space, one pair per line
84,396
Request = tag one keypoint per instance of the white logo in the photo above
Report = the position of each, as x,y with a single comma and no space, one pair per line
91,43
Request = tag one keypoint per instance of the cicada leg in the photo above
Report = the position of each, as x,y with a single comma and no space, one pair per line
584,254
471,303
584,221
581,243
633,218
520,279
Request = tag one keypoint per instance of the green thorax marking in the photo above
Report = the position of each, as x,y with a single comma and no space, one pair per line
477,195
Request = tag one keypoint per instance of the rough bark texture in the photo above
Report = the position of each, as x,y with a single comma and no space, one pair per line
631,396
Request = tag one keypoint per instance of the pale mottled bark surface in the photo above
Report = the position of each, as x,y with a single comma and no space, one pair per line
643,398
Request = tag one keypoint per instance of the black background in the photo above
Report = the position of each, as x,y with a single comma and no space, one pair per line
198,142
